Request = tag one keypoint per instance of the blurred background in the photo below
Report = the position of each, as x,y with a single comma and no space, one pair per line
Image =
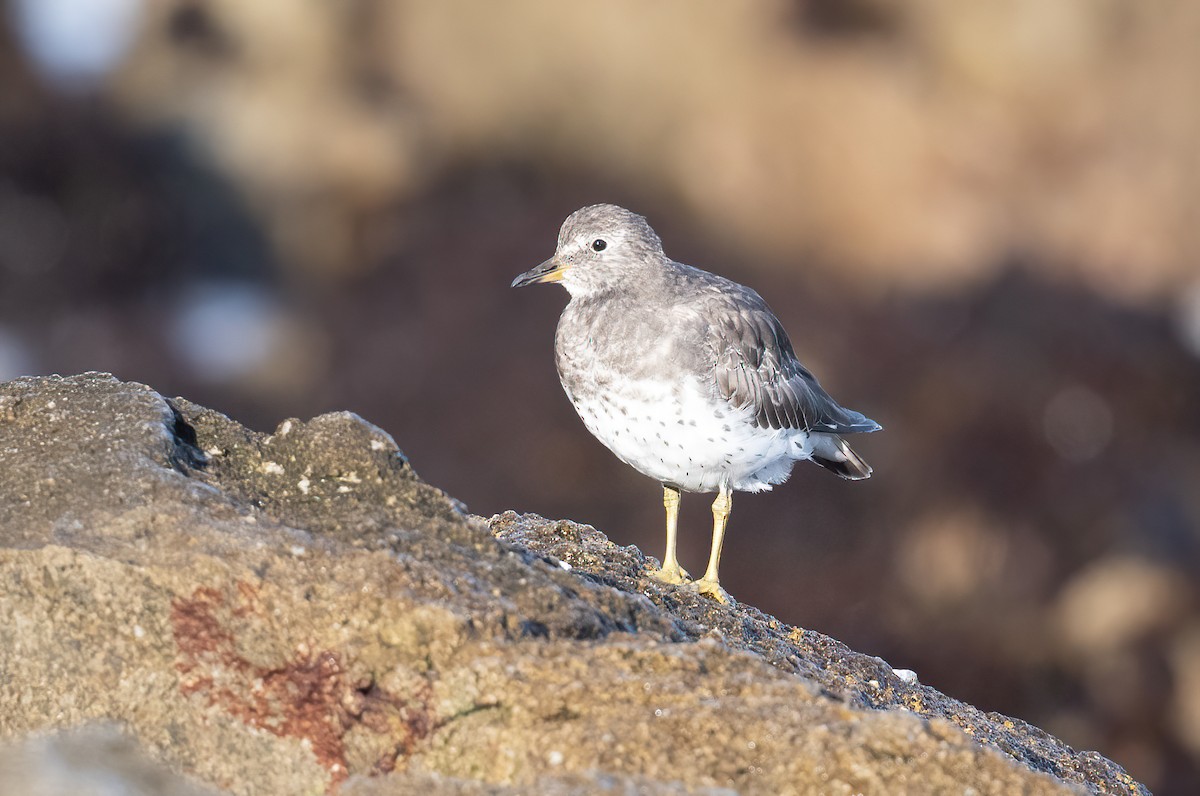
980,223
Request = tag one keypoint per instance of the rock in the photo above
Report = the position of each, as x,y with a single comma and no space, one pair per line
299,613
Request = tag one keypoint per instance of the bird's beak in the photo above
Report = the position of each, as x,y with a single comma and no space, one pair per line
550,271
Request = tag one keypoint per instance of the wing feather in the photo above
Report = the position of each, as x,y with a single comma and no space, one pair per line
757,369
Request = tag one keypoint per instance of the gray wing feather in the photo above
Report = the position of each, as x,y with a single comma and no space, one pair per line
756,368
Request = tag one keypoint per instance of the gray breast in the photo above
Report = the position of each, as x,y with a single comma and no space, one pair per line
598,341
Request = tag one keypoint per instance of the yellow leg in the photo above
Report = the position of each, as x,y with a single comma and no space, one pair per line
671,572
710,583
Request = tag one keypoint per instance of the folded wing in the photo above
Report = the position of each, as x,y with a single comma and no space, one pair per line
756,368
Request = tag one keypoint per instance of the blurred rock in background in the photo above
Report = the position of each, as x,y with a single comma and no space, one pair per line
978,222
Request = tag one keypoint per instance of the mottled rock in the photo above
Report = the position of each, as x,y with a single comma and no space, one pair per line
298,612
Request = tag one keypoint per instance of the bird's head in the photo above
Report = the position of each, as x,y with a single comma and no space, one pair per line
599,247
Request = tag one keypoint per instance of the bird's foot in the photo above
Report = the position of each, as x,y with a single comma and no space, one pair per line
675,575
712,589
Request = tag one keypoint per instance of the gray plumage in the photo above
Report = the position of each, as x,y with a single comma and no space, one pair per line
686,376
636,316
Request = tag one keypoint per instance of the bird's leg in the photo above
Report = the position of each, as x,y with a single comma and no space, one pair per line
710,584
671,572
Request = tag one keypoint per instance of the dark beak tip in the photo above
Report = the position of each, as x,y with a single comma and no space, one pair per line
534,275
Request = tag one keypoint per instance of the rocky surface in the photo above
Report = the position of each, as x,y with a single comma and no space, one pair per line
299,613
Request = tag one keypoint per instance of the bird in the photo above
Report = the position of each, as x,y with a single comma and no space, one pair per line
686,376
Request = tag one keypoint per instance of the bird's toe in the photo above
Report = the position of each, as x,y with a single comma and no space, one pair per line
673,575
713,590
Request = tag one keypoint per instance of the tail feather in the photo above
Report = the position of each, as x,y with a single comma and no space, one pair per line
832,453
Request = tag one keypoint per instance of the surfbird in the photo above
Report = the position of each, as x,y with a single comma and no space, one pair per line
686,376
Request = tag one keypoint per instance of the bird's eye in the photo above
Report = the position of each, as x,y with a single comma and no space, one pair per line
599,245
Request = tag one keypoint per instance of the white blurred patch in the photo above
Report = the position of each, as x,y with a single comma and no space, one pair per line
76,42
1077,423
226,332
1187,319
15,359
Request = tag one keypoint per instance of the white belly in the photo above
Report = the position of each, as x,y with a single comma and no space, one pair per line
677,436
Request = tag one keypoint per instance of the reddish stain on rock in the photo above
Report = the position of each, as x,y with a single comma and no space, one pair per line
307,696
